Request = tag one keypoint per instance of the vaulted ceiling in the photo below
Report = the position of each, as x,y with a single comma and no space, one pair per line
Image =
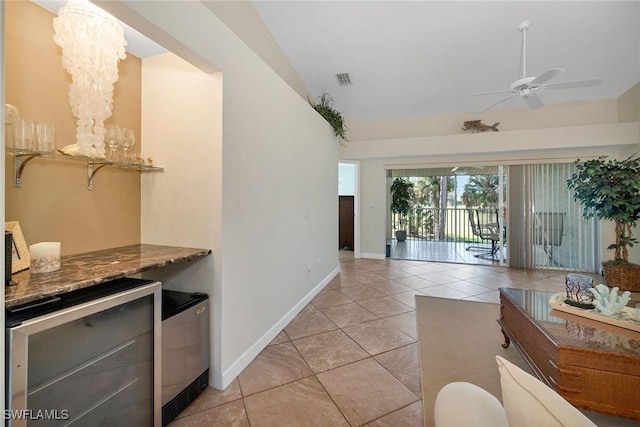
428,57
418,58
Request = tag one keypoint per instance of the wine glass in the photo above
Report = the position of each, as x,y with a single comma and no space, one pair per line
128,140
113,135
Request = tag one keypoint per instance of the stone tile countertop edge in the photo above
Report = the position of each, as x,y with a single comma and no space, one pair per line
92,268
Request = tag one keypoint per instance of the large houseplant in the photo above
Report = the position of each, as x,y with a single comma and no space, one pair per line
610,189
324,106
401,204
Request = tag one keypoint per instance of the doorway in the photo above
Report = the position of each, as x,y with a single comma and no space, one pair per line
456,215
348,207
346,223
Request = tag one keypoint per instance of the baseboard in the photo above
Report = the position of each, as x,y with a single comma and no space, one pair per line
372,255
243,361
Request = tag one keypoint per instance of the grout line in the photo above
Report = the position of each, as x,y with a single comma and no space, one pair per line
358,268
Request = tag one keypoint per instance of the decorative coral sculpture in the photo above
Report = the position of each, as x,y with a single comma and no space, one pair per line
607,301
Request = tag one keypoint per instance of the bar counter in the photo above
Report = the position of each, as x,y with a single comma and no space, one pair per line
92,268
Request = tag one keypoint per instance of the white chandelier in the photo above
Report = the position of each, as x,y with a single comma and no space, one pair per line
92,42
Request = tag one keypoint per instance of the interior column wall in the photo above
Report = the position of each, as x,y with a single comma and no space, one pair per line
182,124
279,175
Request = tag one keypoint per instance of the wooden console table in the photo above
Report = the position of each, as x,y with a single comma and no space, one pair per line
593,365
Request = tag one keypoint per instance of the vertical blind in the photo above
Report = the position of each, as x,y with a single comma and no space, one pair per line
560,237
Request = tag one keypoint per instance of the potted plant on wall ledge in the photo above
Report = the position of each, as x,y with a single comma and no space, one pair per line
324,106
401,204
610,189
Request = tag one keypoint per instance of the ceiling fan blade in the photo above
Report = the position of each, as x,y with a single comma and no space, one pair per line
496,103
572,84
546,76
532,101
493,91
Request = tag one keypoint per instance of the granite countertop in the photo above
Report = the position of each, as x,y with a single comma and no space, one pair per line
92,268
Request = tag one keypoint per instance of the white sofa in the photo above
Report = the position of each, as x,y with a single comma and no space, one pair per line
527,403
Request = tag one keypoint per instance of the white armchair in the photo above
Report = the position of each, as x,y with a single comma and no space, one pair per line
463,404
527,403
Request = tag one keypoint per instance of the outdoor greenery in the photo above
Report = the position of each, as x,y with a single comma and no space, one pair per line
481,191
324,106
426,191
610,189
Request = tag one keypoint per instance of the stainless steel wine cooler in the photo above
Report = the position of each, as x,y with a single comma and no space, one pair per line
86,358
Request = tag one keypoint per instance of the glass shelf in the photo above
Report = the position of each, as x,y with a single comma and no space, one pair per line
22,157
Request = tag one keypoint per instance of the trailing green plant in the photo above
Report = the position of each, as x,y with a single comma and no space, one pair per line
610,189
401,193
324,106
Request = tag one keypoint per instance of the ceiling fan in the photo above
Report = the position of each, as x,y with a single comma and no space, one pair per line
526,87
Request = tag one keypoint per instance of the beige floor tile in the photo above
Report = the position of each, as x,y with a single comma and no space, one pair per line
348,314
362,292
493,281
365,391
341,282
492,296
439,278
370,277
329,350
301,403
395,273
468,287
437,267
415,269
444,292
385,306
308,322
409,416
404,364
407,298
210,398
378,336
468,272
280,338
406,322
329,298
415,282
229,414
274,366
386,265
389,287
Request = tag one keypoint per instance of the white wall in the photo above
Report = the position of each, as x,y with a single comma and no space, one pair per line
277,197
373,209
182,130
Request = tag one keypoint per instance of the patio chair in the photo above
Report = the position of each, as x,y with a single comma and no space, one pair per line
488,226
548,230
471,214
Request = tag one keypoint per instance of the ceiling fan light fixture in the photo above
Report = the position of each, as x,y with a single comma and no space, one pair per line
526,86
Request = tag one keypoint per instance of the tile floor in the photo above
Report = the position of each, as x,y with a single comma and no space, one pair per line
434,250
350,357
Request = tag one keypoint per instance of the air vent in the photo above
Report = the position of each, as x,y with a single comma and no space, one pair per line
343,79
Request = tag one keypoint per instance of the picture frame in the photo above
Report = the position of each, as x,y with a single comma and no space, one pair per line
20,258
